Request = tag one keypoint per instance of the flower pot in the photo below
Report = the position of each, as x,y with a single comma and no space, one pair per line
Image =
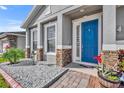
107,83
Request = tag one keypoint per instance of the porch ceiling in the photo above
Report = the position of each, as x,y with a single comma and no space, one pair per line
86,10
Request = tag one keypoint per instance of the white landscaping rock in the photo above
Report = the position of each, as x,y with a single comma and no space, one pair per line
33,76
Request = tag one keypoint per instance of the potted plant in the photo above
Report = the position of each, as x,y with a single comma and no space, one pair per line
107,77
121,55
121,65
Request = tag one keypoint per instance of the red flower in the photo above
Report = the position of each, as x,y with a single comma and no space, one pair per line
121,51
98,58
7,46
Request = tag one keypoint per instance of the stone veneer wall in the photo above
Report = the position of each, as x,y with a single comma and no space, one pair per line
63,56
40,54
110,57
27,53
12,40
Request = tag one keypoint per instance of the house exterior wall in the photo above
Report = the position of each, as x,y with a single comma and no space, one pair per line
3,42
13,41
120,21
64,44
1,48
109,24
67,31
57,8
64,33
21,42
110,54
49,10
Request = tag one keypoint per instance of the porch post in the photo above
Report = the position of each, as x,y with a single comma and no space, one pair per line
109,35
109,27
39,42
27,51
64,50
1,49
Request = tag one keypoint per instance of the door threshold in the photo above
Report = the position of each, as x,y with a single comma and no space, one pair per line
87,65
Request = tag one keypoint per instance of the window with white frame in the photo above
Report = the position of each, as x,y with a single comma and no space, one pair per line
51,39
78,41
34,40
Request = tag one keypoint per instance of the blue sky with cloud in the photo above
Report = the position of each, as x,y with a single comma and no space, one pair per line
12,16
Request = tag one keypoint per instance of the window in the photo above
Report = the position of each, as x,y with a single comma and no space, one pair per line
78,41
51,39
34,40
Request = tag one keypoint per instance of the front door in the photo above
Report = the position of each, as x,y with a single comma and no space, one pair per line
89,41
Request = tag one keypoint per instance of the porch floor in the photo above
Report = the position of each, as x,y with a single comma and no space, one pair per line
78,76
75,79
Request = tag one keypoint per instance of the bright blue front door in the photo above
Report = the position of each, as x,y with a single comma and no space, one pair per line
89,31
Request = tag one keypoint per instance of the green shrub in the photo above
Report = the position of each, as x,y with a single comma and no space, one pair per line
121,65
13,55
113,78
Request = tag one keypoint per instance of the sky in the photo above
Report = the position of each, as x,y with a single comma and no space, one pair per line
12,17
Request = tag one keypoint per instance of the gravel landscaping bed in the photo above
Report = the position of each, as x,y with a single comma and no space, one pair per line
33,76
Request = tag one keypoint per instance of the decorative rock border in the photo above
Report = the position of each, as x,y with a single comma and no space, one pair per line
10,80
55,79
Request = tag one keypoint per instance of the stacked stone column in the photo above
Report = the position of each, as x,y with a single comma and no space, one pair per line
110,54
27,53
39,42
40,54
110,58
64,43
27,50
63,57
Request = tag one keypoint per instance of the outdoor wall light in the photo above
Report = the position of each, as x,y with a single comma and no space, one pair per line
119,28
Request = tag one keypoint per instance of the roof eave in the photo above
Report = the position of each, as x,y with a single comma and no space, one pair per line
30,16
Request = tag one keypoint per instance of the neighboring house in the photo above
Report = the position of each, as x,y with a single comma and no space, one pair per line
12,39
75,33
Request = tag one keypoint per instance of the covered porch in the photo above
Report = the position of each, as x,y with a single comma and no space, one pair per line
68,38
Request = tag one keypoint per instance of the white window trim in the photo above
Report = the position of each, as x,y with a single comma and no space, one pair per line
78,22
45,38
32,31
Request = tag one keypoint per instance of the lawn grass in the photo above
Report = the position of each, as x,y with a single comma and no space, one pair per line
3,84
3,60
